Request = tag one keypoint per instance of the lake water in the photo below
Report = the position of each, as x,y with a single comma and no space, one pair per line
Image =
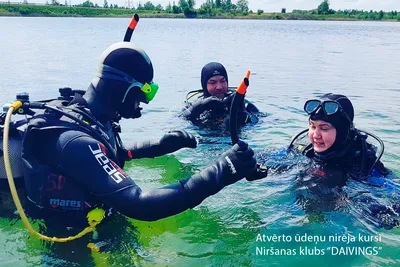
291,61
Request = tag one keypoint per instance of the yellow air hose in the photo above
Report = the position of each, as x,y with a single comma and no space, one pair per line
95,216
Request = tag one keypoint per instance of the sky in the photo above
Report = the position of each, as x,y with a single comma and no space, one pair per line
270,5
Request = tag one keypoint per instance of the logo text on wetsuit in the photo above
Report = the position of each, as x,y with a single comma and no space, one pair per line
65,203
231,166
107,164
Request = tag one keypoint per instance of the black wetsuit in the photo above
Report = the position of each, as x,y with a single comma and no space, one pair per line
211,112
320,180
357,159
69,170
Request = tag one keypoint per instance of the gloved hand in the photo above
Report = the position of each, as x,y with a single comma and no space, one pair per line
209,103
175,140
227,100
237,163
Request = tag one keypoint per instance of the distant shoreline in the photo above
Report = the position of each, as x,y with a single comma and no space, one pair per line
26,10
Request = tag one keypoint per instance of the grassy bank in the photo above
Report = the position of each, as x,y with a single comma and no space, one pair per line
66,11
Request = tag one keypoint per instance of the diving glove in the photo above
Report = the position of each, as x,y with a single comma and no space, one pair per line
235,164
193,112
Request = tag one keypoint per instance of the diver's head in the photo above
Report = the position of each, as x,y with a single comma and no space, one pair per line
214,80
331,122
125,79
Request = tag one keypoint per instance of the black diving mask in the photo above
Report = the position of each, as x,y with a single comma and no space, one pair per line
329,107
149,89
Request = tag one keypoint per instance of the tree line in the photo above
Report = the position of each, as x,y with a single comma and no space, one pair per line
212,8
186,8
324,9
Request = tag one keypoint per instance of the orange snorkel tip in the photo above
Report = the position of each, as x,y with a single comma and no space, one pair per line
242,88
134,22
131,28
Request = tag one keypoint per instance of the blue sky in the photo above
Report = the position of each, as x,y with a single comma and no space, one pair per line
273,5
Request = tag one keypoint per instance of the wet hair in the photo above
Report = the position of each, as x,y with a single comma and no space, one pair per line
210,70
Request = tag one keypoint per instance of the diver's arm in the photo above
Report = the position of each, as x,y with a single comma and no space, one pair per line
193,112
84,160
250,107
170,142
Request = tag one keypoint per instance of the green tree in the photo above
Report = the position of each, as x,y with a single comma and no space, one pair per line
227,5
218,3
168,8
176,9
183,4
105,5
260,11
191,3
323,8
189,12
372,15
87,3
283,10
243,5
158,7
380,16
148,6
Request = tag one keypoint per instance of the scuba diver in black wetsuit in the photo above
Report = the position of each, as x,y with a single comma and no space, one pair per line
335,142
211,109
72,167
336,151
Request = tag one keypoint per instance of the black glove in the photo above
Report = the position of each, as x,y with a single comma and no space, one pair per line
175,140
227,100
235,164
208,103
213,103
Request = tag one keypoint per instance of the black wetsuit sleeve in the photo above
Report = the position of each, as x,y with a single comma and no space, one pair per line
145,149
85,159
170,142
250,107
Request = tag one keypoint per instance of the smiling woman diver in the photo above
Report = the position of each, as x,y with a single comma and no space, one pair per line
335,151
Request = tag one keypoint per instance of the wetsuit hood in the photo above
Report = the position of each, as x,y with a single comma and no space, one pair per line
210,70
344,127
123,69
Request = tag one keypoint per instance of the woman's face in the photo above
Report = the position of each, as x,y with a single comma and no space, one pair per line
322,135
217,86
